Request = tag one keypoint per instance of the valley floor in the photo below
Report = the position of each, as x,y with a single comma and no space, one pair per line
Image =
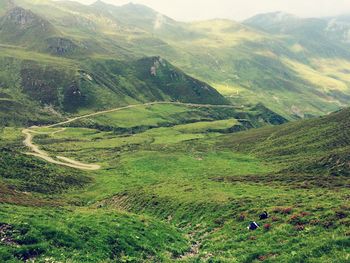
174,185
35,151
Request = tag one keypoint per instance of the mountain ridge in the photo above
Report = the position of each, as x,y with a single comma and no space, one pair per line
245,64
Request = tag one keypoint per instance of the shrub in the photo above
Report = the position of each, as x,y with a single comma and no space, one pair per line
283,210
241,217
303,214
315,222
299,227
299,219
340,214
267,227
295,219
274,219
27,252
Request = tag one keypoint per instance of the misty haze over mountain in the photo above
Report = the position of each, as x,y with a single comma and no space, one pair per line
239,9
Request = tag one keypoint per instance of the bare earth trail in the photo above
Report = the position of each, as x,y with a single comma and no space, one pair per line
36,151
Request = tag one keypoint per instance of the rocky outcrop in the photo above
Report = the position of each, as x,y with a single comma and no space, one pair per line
174,83
23,27
73,97
24,19
61,46
44,83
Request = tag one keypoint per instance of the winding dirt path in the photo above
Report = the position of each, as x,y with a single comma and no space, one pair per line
140,105
36,151
64,161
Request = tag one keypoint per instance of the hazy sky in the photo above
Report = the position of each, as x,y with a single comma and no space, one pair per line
239,9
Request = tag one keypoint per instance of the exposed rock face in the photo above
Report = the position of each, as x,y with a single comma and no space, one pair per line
339,29
174,83
21,17
158,62
44,84
25,19
61,46
6,232
73,97
25,28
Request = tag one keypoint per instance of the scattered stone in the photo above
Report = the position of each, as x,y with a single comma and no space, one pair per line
5,235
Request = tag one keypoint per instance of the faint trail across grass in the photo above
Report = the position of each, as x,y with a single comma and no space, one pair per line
35,150
45,156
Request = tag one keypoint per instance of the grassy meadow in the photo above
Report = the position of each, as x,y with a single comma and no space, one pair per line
181,180
175,191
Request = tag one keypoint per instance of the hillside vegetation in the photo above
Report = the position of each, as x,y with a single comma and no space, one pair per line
129,210
127,136
259,61
49,73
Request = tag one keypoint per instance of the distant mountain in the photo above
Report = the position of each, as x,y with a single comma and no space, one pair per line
296,67
276,22
23,27
321,36
145,18
48,69
336,28
339,28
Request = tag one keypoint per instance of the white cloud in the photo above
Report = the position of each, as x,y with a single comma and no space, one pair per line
239,9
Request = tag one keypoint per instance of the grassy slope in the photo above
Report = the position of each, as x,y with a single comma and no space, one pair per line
256,65
27,184
251,66
244,64
38,78
166,192
319,145
222,182
67,85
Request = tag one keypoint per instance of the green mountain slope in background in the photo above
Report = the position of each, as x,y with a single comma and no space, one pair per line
297,71
119,179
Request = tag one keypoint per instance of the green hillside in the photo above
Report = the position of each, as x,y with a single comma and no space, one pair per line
49,70
317,146
23,27
127,136
277,64
177,184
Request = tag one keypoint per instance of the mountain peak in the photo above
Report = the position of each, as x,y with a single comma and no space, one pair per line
21,17
272,17
138,8
272,22
20,25
98,2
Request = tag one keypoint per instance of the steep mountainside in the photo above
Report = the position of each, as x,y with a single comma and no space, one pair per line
335,28
325,37
22,27
99,84
270,59
245,64
47,70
